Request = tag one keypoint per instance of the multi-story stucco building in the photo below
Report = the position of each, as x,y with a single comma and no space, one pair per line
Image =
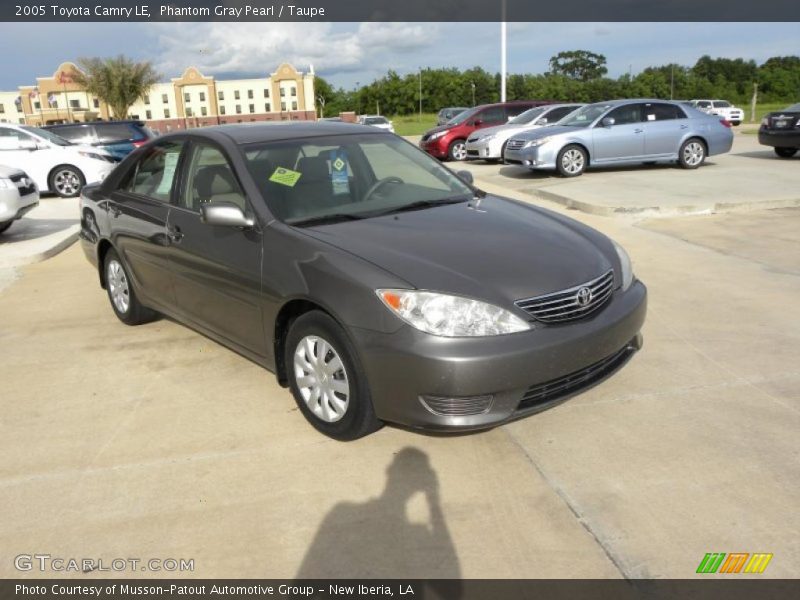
191,100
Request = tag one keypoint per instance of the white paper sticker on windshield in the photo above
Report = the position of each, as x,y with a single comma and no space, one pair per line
651,117
170,163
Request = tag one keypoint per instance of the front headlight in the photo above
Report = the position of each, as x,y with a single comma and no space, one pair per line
765,122
487,137
93,155
437,135
450,316
6,184
625,265
538,142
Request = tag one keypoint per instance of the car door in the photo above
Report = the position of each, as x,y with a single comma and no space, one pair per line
23,151
217,269
621,141
664,129
137,215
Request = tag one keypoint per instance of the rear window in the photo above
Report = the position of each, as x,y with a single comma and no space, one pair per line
108,133
77,134
722,104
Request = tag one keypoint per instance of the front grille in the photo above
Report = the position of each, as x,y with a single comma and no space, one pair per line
24,189
457,407
573,303
515,144
544,393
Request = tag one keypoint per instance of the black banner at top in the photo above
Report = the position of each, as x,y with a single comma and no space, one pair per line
398,10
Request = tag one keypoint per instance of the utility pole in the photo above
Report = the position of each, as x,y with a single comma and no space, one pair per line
671,81
503,53
420,94
472,83
753,102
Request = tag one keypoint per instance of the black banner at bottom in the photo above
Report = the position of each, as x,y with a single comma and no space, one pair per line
408,589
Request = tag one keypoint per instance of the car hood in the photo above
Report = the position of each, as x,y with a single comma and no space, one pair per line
437,129
497,250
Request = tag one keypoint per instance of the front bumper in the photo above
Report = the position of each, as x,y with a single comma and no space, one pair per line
408,369
13,206
437,148
484,150
533,157
779,139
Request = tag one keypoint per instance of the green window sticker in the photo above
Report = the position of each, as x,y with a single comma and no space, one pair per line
285,176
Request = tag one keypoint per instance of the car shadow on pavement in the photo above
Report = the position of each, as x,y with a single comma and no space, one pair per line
766,154
376,538
31,229
515,172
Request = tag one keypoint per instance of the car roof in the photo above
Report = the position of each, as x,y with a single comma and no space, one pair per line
249,133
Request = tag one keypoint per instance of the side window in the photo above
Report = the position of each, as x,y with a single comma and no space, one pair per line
210,178
11,139
514,110
495,114
154,174
627,114
78,134
559,113
115,132
662,112
704,104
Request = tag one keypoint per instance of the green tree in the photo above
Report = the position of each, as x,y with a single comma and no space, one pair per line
579,64
119,82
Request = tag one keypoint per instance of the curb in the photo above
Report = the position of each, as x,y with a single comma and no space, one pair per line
64,241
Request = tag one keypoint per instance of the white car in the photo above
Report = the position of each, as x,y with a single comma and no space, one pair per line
55,164
376,121
489,143
723,108
18,195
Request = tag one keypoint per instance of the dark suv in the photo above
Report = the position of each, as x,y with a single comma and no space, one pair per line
450,141
119,138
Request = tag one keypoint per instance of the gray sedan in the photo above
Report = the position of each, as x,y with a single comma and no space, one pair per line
375,283
622,132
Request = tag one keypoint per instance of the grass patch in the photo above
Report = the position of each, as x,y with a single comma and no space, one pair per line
412,125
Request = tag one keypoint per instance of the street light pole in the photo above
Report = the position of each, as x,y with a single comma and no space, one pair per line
503,53
420,94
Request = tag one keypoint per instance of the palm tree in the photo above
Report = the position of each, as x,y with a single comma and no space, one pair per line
119,82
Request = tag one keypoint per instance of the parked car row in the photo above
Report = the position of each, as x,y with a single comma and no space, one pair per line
570,138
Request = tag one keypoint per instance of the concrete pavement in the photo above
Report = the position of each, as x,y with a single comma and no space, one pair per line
44,232
153,441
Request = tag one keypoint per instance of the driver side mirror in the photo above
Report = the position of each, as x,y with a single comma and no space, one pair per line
465,176
477,122
608,122
225,214
543,121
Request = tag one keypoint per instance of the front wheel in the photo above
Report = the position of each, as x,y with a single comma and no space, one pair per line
571,161
121,295
457,150
66,181
786,152
692,154
326,378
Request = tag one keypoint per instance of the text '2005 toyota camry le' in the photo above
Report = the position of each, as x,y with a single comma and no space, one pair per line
376,284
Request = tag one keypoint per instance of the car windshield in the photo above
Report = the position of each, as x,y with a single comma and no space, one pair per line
346,177
793,108
585,116
463,116
721,104
48,135
528,116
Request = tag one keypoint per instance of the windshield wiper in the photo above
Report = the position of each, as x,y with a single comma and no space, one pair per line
420,204
325,219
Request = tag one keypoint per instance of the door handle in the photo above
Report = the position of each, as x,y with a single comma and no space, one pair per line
174,234
638,130
684,127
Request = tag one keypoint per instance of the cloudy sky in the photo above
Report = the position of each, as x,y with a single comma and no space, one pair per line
346,53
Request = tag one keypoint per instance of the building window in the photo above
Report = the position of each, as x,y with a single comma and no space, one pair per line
186,97
221,95
74,103
164,99
96,103
283,106
148,115
252,108
238,109
2,109
222,110
236,95
294,91
147,99
134,117
166,113
249,94
37,105
202,96
294,105
266,93
283,92
203,111
188,111
267,107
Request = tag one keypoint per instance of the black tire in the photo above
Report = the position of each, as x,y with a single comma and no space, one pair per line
5,225
735,123
784,152
134,313
457,150
572,161
66,181
692,153
358,418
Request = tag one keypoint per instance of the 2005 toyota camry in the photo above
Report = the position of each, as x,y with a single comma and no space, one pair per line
375,283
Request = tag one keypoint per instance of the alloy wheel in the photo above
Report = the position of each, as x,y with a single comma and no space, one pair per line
573,161
67,182
118,286
321,378
693,153
460,151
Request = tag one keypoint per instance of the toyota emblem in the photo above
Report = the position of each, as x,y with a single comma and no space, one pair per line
583,297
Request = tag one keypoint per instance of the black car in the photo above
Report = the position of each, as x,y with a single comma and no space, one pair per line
119,138
781,130
376,284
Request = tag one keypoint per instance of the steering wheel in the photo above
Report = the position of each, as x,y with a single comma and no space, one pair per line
379,184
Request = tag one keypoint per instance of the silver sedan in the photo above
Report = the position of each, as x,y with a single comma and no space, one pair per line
621,132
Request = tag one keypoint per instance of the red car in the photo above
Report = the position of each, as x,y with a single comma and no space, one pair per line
449,141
